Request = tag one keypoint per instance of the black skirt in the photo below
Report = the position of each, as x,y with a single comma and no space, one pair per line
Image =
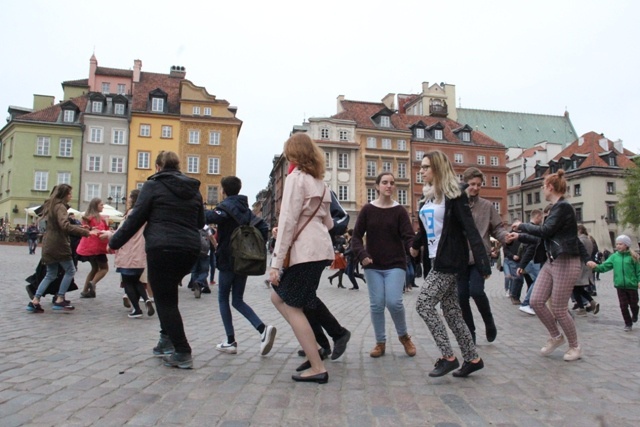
299,283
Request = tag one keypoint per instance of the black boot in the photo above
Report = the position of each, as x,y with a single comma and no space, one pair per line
485,311
165,346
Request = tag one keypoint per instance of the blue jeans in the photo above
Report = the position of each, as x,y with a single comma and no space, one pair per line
234,284
52,274
533,269
385,290
199,271
515,288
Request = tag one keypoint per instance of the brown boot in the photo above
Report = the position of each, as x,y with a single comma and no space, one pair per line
378,350
409,348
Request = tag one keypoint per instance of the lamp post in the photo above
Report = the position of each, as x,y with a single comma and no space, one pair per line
118,199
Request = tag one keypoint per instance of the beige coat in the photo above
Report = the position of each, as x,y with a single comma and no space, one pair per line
587,274
55,243
132,254
300,198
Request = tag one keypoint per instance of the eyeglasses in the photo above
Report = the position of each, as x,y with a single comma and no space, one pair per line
425,167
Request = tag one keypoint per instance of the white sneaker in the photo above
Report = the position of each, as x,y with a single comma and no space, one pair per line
574,353
507,294
552,344
225,347
527,309
266,339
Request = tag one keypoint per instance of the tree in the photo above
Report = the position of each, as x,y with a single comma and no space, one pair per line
629,206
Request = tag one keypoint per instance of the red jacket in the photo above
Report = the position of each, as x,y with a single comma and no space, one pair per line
93,245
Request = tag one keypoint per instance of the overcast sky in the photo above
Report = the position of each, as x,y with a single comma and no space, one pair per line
280,61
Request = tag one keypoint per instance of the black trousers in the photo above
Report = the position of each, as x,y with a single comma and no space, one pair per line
320,317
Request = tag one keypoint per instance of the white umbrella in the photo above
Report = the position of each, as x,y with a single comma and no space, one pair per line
32,211
110,212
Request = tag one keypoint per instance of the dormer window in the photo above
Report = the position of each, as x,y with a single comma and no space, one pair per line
612,161
324,133
385,121
96,107
465,136
420,133
118,109
437,134
69,116
157,105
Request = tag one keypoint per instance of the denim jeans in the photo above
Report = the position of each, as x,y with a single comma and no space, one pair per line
231,284
533,269
52,274
515,288
385,290
199,271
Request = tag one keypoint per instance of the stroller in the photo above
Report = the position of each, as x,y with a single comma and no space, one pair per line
35,279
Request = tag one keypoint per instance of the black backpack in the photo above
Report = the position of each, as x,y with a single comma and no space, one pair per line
248,249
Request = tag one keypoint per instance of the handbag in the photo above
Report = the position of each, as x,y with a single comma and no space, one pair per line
287,257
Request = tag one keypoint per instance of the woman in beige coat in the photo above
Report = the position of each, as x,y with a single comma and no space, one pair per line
305,203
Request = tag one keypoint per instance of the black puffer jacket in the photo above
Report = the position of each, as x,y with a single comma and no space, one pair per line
171,205
458,231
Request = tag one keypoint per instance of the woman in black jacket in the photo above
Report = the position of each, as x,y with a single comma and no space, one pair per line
446,225
171,205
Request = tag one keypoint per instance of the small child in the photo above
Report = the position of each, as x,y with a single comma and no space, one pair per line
625,263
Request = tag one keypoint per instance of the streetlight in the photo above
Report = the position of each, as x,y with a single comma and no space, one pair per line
117,198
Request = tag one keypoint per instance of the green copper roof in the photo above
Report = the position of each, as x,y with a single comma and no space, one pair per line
519,129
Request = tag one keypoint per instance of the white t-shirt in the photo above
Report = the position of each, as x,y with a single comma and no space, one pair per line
432,217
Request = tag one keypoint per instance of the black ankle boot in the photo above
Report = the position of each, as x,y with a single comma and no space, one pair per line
165,346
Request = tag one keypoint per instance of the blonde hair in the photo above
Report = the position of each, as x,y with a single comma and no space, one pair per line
445,182
305,154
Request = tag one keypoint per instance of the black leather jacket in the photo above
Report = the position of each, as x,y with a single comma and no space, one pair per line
458,233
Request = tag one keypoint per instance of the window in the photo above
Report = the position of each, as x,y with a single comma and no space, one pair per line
529,198
494,161
213,165
537,197
402,170
496,206
66,145
510,180
117,136
386,143
116,191
419,178
43,146
94,163
69,116
207,112
344,135
139,185
194,137
611,187
402,145
611,213
343,193
145,130
461,178
612,161
437,134
96,107
41,180
143,160
95,135
510,199
372,168
371,142
105,87
193,164
214,137
518,201
122,88
578,214
343,160
157,105
458,158
387,167
385,121
64,177
118,109
371,194
167,131
117,164
419,155
577,191
465,136
93,191
402,197
324,133
327,160
419,133
482,160
212,194
196,111
495,181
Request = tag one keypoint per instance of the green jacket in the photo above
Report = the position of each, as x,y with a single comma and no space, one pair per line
626,270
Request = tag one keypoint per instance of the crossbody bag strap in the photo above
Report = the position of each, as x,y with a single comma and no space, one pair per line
311,217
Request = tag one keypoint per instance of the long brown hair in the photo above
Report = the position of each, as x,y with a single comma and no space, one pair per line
59,193
302,151
92,211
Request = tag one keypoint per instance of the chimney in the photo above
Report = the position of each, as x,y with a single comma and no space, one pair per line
42,101
604,143
178,72
618,146
340,99
93,66
425,87
137,67
580,141
389,101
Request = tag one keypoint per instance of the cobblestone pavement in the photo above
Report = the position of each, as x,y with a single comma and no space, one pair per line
95,367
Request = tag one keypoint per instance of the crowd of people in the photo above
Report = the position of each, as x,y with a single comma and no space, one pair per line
453,249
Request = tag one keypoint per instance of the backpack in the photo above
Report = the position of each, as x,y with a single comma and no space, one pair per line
248,249
339,216
204,243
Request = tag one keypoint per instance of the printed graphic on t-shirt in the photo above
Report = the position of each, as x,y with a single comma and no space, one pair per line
432,217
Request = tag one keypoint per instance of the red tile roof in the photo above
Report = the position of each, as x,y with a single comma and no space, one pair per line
80,82
52,114
592,149
151,81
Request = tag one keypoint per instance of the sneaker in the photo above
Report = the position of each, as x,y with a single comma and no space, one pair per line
340,345
197,290
179,360
574,353
164,346
468,368
444,366
527,309
581,312
628,328
507,294
595,307
206,289
409,347
266,339
35,308
552,344
135,314
63,305
125,301
225,347
378,350
150,310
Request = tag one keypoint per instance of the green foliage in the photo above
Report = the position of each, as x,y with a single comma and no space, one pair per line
629,206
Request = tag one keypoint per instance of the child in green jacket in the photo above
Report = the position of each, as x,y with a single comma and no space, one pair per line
626,274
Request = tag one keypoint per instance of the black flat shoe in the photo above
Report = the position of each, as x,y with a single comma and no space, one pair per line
322,378
468,368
